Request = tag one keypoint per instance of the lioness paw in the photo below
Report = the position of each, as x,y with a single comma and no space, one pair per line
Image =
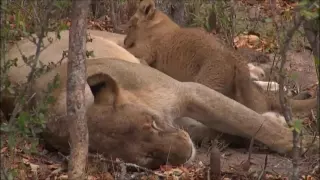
256,73
275,117
269,85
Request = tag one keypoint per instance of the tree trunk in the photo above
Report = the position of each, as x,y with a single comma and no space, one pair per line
174,9
76,81
313,34
132,8
311,28
164,6
178,12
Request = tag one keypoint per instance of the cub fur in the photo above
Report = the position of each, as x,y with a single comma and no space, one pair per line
191,54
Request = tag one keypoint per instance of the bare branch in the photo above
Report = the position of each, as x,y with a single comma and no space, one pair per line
102,159
283,101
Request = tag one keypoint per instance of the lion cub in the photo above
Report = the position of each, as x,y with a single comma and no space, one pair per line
192,54
188,54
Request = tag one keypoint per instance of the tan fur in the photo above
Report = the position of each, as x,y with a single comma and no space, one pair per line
276,116
197,131
120,124
256,73
104,44
191,54
133,95
269,85
126,104
140,40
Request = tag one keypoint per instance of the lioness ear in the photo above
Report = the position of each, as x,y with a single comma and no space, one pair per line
148,9
104,88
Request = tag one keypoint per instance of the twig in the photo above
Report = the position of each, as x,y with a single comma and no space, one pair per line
55,172
283,101
246,165
125,164
41,36
264,167
123,171
18,106
65,158
215,164
310,145
35,13
4,174
315,170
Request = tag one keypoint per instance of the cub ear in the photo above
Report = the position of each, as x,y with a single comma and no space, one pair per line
148,8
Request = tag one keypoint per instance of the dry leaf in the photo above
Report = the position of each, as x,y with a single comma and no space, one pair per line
34,167
25,161
54,166
92,178
4,149
63,177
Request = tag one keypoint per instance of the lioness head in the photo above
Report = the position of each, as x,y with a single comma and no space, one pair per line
135,135
118,126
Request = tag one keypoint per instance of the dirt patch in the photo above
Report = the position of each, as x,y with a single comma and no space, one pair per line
276,165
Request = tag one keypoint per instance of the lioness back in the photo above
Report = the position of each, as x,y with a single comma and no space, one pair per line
103,45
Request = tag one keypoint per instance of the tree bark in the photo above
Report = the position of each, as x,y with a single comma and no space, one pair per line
174,9
132,8
313,34
312,31
178,12
76,81
164,6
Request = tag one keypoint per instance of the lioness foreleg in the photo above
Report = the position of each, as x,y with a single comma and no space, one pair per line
228,116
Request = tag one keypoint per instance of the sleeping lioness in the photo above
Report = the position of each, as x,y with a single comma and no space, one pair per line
131,115
135,108
191,54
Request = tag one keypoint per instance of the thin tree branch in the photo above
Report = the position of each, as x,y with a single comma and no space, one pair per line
286,109
30,78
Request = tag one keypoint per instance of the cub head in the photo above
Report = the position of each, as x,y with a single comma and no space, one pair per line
146,22
145,10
